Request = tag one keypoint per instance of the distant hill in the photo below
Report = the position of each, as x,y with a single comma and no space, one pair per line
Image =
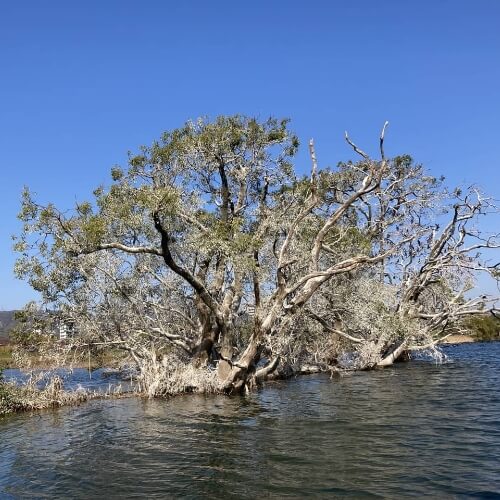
7,322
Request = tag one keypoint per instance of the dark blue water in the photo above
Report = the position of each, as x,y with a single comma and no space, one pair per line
415,430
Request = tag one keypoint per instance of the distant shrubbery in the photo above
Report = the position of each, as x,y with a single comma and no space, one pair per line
7,323
484,328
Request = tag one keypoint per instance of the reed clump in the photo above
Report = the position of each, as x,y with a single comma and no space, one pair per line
42,391
170,376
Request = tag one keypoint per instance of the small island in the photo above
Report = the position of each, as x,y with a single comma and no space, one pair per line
212,265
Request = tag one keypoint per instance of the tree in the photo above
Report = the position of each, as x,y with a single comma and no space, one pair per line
483,328
210,250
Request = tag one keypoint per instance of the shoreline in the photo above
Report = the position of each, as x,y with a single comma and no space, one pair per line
459,339
27,398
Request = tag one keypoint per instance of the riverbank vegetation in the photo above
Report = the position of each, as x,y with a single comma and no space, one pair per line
17,356
214,264
483,328
31,396
6,360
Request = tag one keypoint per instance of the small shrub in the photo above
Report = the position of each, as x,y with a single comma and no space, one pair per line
484,327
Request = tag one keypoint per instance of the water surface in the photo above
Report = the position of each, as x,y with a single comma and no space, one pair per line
413,430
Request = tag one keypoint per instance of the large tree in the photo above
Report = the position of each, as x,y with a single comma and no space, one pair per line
211,250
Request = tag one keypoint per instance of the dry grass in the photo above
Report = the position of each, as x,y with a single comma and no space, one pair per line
29,397
172,376
16,357
163,377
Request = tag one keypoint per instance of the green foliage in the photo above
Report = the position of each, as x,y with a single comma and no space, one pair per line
178,179
7,404
8,399
116,173
5,357
94,229
84,209
484,328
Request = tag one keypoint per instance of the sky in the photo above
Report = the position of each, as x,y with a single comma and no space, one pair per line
83,82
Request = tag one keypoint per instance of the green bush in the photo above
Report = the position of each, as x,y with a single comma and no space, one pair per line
6,402
484,328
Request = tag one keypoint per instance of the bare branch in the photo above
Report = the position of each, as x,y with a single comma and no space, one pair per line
356,149
382,134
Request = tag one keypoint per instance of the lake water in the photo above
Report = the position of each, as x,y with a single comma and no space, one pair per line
100,380
412,430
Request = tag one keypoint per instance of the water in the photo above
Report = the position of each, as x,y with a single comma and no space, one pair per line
99,380
413,430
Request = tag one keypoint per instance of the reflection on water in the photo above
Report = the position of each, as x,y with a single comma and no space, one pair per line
416,429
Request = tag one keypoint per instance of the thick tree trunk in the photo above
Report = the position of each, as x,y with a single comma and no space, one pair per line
393,355
243,370
202,352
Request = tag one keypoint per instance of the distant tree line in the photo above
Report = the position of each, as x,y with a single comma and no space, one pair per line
7,324
483,328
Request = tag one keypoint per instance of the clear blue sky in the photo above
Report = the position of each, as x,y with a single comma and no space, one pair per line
83,82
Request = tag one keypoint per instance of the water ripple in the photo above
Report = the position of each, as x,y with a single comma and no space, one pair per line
413,430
